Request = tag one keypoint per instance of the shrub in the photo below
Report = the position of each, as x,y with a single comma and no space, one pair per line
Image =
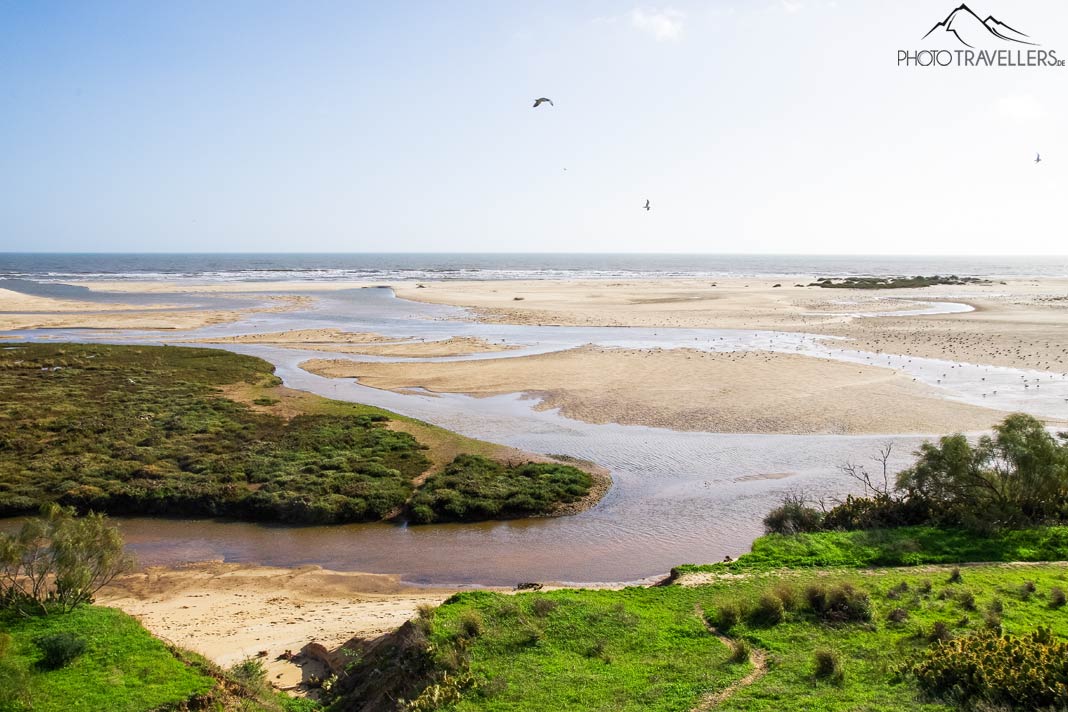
828,666
249,671
992,620
996,606
60,649
898,615
878,512
954,575
966,600
1027,590
839,604
925,588
939,632
1056,597
471,624
895,593
793,516
788,595
1025,672
768,611
727,616
740,651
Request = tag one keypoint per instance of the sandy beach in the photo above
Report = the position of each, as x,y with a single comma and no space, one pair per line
749,392
21,311
228,612
1021,323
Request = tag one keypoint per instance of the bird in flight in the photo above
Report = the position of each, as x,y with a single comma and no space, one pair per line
542,100
647,206
1038,158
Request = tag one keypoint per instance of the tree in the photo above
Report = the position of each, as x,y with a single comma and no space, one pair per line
1017,476
57,561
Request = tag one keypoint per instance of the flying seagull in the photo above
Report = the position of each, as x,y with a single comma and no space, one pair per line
647,206
1038,158
542,100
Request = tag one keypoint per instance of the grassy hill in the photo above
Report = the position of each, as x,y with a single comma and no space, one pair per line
753,635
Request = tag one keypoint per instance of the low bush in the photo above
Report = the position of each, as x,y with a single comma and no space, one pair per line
828,666
471,624
898,615
768,611
896,591
1017,672
793,516
788,595
1056,597
939,632
966,600
59,649
740,651
727,616
839,604
249,671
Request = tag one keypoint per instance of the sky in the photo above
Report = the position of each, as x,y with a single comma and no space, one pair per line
769,126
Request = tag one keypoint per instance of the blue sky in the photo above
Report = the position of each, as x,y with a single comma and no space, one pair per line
776,126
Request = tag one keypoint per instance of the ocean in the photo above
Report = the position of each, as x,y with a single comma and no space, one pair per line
249,267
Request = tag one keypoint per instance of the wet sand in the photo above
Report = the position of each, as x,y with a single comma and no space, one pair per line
747,392
1021,323
336,341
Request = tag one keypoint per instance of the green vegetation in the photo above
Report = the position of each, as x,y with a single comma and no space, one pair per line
56,562
1021,672
59,653
800,622
916,282
122,667
1018,477
205,432
475,488
903,546
835,641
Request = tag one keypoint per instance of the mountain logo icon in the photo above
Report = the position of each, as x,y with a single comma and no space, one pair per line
970,30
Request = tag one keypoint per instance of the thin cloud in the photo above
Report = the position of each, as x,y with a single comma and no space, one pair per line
663,25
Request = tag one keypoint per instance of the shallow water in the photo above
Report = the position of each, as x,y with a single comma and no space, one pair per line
676,497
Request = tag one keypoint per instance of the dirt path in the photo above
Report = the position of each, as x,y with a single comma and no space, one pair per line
757,658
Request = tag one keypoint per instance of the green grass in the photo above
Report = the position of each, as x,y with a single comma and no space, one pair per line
204,432
904,546
595,650
123,669
648,648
